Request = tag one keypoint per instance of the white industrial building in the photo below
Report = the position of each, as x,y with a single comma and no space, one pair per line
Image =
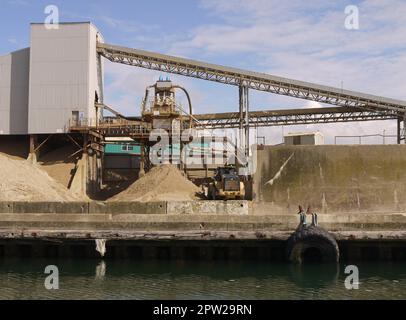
55,81
304,138
14,83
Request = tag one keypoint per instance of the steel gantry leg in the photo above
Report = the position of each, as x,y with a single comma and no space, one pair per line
244,119
404,130
398,131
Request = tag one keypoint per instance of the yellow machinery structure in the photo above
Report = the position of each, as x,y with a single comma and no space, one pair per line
226,185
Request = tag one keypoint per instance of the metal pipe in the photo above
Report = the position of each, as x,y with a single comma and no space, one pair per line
144,101
189,101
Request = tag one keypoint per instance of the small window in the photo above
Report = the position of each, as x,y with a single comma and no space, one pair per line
127,148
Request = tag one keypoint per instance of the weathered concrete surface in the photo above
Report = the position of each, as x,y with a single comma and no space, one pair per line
90,234
120,207
332,178
44,207
236,225
148,222
6,207
208,207
128,207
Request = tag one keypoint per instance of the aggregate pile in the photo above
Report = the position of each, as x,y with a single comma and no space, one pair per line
59,164
162,183
20,180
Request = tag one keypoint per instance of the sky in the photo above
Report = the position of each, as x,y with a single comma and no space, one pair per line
304,40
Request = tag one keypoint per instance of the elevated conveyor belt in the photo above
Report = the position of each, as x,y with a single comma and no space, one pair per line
267,118
249,79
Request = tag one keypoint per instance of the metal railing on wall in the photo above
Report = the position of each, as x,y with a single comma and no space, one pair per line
361,138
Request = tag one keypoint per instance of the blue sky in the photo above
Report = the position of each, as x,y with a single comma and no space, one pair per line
305,41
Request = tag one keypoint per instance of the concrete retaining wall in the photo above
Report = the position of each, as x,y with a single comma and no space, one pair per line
93,207
44,207
208,207
128,207
332,178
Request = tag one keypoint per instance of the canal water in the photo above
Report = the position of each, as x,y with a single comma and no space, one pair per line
137,279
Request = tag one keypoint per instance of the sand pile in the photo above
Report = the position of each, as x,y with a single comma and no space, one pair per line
163,183
59,165
22,181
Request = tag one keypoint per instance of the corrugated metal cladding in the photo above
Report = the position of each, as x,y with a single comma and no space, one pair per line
14,75
43,86
64,69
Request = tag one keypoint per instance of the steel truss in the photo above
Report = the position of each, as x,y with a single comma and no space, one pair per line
291,117
251,80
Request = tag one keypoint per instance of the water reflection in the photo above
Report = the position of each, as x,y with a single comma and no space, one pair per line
126,279
101,270
314,276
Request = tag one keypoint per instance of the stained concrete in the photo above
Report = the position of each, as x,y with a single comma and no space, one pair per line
208,207
332,178
237,224
126,207
49,207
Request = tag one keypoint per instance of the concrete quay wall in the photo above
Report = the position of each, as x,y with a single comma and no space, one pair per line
94,207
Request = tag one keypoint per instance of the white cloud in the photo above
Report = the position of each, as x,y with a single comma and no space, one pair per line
292,39
12,41
19,2
127,26
301,41
126,88
313,105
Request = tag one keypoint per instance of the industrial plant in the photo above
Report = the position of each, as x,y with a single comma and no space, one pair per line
79,172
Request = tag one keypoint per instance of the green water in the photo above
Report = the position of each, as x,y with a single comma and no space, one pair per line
126,279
